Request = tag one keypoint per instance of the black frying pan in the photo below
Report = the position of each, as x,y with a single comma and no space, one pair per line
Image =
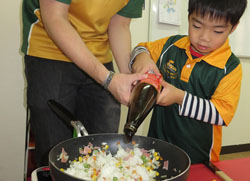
179,161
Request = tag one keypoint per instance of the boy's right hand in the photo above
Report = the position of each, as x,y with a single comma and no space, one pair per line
144,63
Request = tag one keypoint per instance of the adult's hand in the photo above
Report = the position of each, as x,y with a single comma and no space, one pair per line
122,84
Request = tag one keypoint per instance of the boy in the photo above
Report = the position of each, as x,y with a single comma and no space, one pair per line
202,79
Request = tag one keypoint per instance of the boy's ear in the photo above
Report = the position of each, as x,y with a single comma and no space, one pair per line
234,27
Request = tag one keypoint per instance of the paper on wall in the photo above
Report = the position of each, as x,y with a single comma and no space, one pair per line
169,11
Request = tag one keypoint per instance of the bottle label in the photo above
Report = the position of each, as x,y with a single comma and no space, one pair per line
153,79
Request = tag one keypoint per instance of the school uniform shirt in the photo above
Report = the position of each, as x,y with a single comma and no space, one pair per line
212,84
90,19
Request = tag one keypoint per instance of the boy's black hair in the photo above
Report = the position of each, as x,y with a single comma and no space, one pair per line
231,10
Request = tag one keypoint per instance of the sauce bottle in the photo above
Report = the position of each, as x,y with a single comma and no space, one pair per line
142,100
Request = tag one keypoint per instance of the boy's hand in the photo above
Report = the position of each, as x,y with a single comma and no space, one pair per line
170,95
144,63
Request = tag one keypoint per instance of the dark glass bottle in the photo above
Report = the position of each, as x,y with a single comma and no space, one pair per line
142,100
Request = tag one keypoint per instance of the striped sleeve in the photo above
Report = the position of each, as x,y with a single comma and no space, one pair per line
136,51
200,109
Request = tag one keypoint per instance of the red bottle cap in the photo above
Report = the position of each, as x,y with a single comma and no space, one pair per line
153,79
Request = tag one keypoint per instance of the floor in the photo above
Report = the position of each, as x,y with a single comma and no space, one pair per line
235,155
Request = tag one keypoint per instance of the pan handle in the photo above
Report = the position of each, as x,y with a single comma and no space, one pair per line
67,117
217,171
61,111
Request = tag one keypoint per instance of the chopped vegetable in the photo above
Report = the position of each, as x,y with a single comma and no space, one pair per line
97,163
63,156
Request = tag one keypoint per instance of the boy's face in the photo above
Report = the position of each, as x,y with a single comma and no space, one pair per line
208,34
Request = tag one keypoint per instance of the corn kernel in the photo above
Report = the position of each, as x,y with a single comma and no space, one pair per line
94,177
80,159
118,164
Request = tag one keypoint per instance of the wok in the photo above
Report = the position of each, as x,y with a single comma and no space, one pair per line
179,161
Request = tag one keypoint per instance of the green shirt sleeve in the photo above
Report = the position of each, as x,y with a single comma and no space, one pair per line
65,1
133,9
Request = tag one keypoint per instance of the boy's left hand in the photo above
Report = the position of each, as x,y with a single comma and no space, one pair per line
170,95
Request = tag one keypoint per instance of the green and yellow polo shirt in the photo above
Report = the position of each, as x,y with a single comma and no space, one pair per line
212,84
90,19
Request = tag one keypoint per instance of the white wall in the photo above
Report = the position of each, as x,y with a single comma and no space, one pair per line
12,101
12,110
238,130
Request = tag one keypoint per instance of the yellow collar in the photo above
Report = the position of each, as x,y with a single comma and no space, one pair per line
217,58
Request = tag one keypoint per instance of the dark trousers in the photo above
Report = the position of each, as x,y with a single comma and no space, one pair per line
94,106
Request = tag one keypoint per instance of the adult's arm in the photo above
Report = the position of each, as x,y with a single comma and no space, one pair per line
120,41
55,19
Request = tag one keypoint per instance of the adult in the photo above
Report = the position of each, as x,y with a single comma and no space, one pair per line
67,46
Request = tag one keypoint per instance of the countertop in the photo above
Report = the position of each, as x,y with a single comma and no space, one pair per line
237,169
